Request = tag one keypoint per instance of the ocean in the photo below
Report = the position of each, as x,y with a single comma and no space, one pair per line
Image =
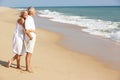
102,21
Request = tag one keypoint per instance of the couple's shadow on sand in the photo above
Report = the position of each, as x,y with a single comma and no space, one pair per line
4,64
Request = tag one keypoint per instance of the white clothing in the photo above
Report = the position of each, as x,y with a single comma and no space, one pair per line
29,24
30,45
18,40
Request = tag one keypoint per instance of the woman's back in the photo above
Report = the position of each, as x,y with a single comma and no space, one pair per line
19,30
18,39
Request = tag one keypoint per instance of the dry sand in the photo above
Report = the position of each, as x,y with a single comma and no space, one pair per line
50,61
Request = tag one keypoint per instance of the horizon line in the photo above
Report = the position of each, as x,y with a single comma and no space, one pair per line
71,6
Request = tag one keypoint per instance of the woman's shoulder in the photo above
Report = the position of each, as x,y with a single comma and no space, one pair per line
20,20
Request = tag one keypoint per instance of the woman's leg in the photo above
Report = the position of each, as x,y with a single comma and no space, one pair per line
18,61
11,60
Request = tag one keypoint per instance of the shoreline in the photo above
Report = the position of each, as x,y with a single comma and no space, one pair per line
74,39
50,60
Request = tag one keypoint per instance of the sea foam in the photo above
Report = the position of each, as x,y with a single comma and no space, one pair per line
106,29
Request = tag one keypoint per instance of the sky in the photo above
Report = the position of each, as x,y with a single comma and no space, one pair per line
26,3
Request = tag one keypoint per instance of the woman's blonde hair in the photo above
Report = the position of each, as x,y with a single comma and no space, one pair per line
22,13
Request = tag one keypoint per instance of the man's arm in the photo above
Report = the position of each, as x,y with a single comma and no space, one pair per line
28,34
31,30
27,31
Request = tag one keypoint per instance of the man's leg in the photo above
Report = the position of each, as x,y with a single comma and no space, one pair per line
28,60
29,50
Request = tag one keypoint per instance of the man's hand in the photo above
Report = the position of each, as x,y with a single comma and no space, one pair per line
28,34
31,38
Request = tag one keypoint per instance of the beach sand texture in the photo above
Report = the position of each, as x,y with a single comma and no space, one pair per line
50,61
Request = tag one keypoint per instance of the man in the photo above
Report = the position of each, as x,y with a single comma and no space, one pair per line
30,37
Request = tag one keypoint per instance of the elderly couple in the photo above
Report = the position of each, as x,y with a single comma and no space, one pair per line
24,38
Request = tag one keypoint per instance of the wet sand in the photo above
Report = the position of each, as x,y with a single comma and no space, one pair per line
74,39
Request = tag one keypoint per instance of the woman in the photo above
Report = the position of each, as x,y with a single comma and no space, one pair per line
18,40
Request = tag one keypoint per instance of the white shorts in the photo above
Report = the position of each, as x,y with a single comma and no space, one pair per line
30,45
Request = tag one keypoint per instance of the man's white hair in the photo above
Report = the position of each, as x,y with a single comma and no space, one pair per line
30,9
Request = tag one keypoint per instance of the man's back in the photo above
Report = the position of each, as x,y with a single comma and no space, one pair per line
29,23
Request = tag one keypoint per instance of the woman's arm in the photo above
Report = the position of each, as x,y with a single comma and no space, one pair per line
21,21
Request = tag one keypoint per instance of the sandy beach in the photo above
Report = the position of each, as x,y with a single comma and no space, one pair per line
50,60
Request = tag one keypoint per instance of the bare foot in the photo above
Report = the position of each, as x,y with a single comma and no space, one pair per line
29,70
9,64
18,68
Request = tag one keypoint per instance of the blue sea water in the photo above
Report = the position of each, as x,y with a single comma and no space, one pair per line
98,20
108,13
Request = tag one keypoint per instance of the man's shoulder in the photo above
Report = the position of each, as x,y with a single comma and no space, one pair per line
29,16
